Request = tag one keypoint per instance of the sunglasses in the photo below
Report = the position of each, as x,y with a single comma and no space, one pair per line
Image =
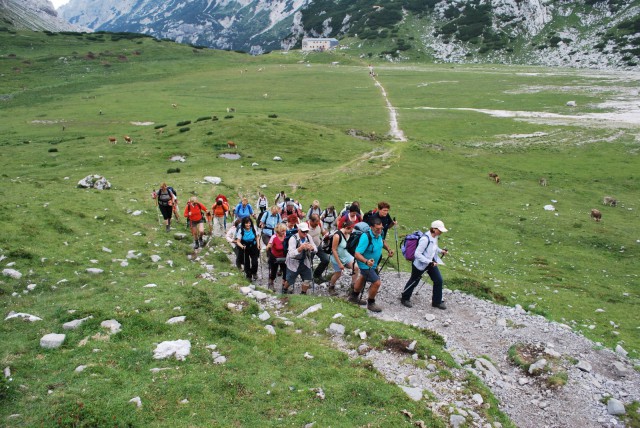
304,231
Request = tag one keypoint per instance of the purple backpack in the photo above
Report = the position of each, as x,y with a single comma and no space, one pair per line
409,245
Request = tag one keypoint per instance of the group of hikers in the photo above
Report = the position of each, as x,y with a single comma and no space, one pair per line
293,239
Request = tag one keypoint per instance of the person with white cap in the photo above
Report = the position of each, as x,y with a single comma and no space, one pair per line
427,258
300,251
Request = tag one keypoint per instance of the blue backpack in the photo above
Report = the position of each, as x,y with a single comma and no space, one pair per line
358,230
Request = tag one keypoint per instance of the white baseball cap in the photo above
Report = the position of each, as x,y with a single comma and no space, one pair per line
303,227
438,224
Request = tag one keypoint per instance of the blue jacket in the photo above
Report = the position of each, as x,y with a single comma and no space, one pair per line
242,212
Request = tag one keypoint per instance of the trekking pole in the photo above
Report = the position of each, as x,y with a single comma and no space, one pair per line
395,229
383,265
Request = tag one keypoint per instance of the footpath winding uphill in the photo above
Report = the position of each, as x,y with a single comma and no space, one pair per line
479,334
475,329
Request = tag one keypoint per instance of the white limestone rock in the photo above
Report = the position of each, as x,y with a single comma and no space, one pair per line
176,320
52,340
615,407
24,316
270,329
72,325
537,367
336,329
414,393
94,271
310,310
12,273
264,316
213,180
137,401
112,325
584,365
179,349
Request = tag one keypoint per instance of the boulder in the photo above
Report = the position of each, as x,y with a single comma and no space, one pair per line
176,320
94,271
12,273
26,317
615,407
336,329
94,182
213,180
270,329
620,369
584,365
456,420
112,325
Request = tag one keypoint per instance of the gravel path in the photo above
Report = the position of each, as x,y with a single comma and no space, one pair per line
479,334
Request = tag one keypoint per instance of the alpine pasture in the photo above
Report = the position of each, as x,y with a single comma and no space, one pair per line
63,96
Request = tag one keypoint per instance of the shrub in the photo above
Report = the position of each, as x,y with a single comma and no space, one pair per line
173,171
214,118
229,116
53,150
185,129
160,126
183,123
200,119
273,116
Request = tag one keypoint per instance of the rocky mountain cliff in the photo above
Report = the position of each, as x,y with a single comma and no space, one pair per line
583,33
33,15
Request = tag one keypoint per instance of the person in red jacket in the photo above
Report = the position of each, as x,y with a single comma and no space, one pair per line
219,210
194,212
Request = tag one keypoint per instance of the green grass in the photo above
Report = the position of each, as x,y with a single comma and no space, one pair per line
503,245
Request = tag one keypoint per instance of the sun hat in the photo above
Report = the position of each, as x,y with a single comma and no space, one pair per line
303,227
438,224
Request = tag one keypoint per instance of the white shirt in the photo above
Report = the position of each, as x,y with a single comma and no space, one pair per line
427,251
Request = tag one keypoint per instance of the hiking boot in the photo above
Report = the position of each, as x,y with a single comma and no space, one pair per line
201,242
196,244
406,303
371,305
168,228
355,298
286,290
255,277
440,305
270,285
332,290
304,292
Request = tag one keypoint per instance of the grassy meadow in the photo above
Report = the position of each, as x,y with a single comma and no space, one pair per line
62,96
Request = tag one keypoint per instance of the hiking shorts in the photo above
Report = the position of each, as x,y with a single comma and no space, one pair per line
195,223
370,275
303,271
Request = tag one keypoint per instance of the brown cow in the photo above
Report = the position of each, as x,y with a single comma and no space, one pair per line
231,144
493,175
113,140
596,214
497,179
127,139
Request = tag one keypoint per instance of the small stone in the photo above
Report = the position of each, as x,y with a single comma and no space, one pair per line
150,285
80,369
621,351
245,290
12,273
260,296
72,325
584,365
412,345
414,393
137,401
552,353
94,271
26,317
308,356
363,335
178,348
537,367
615,407
523,381
620,369
310,310
336,329
112,325
270,329
176,320
264,316
221,359
52,340
430,317
456,420
501,322
478,399
155,258
338,315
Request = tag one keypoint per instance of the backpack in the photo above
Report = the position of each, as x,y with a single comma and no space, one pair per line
368,216
410,243
358,230
164,197
243,230
288,235
172,190
327,241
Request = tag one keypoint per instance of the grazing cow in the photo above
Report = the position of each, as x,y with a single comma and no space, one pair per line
231,144
543,181
127,139
113,140
174,105
497,179
596,214
493,175
231,110
609,200
265,95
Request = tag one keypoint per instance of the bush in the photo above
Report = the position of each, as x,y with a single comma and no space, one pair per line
53,150
185,129
273,116
229,116
173,171
214,118
183,123
200,119
159,126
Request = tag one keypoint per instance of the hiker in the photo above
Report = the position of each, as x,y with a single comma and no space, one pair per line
243,209
317,233
231,239
165,200
226,201
340,257
353,216
193,212
347,208
367,254
280,197
262,204
219,211
299,255
292,222
426,260
276,255
314,209
289,208
383,214
329,217
247,240
268,222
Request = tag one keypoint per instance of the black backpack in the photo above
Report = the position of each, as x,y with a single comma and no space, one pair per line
242,231
327,241
359,229
368,216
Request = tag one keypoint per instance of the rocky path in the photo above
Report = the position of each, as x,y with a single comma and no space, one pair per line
479,334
